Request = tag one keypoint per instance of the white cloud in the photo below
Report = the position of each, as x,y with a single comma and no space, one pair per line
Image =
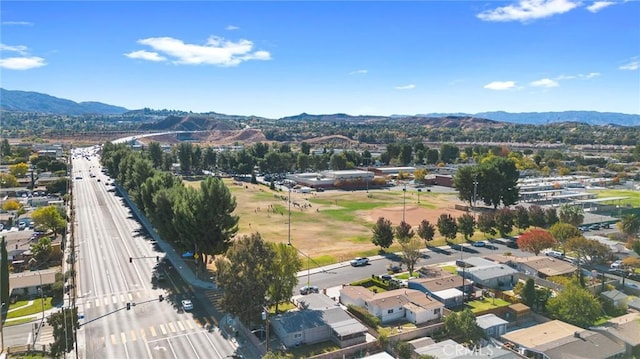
19,23
358,72
405,87
599,5
216,51
548,83
146,55
588,76
231,27
500,85
634,64
22,63
528,10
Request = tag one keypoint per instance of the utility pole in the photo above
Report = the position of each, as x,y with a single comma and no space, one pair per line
404,201
265,317
289,243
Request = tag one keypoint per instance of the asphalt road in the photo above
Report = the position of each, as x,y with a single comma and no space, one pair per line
107,236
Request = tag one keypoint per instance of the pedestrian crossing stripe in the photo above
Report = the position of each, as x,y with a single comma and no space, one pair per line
163,329
180,326
114,299
105,300
153,331
122,297
123,337
113,339
130,296
172,327
133,335
143,335
189,324
97,302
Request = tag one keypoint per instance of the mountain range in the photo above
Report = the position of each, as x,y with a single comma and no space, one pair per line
26,101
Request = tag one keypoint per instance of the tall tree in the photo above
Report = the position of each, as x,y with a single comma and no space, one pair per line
529,292
550,217
411,253
382,233
404,232
64,324
535,240
463,325
463,182
4,273
155,154
466,225
504,221
245,274
487,223
575,305
536,216
563,231
426,231
447,227
286,265
521,217
630,224
572,214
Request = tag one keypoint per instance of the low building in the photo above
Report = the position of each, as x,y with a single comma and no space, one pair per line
544,266
400,304
450,349
615,297
492,325
320,319
625,330
446,288
488,274
554,339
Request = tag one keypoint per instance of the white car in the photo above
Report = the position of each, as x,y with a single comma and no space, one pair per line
360,261
617,264
187,305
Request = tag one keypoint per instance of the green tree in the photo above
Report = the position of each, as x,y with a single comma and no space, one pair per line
575,305
404,350
59,186
466,225
11,205
403,232
185,154
42,249
411,253
535,240
487,223
19,170
286,265
630,225
49,218
572,214
447,227
463,325
245,273
498,181
463,182
64,324
155,153
563,231
4,273
5,148
426,231
521,218
529,293
504,221
587,251
382,233
550,217
7,180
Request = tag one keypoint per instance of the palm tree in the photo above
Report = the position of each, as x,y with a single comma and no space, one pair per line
630,225
571,214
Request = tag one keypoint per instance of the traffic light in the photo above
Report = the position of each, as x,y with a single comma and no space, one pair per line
130,260
160,298
128,306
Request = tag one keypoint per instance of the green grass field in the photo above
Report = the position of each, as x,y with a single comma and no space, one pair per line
33,308
633,200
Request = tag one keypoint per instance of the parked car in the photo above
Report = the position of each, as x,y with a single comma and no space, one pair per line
617,264
308,289
512,244
22,226
479,244
555,254
360,261
395,268
386,277
606,226
187,305
594,227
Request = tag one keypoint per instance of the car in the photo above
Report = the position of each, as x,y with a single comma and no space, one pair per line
187,305
606,226
555,254
309,289
386,277
512,244
617,264
395,268
360,261
479,244
583,228
594,227
22,226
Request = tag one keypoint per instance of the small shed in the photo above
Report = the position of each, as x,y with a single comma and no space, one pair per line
492,325
518,313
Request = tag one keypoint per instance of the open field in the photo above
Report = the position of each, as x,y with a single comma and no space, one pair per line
332,226
633,200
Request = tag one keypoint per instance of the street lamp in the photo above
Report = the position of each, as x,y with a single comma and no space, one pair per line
404,201
265,317
419,191
289,243
475,192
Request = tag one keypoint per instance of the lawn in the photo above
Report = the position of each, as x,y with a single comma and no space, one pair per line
633,200
35,307
481,305
450,269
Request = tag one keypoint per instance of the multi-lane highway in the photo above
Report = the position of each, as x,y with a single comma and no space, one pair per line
116,264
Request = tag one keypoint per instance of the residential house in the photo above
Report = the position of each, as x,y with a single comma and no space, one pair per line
319,319
27,283
554,339
488,274
446,288
625,330
399,304
492,325
450,349
615,297
544,266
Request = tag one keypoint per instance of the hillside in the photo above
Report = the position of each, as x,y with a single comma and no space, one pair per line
23,101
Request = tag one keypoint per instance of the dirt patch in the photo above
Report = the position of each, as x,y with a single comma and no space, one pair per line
413,214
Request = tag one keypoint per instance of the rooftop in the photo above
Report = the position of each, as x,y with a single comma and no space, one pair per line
489,320
541,334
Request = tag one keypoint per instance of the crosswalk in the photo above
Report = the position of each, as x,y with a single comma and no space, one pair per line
150,333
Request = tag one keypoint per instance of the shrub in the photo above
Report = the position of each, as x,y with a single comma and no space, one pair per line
362,314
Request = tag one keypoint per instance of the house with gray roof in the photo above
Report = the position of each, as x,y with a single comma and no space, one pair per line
446,288
450,349
319,320
488,274
492,325
625,330
615,297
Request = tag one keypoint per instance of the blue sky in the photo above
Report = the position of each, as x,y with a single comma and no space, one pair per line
280,58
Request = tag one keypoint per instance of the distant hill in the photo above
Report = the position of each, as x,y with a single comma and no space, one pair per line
24,101
544,118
